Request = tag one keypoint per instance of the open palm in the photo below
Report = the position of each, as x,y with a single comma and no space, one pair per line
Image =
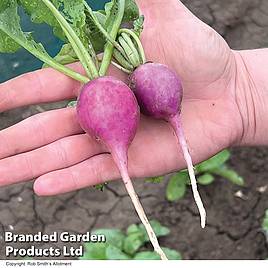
52,147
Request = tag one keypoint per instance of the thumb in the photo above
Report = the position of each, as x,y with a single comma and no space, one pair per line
159,10
174,36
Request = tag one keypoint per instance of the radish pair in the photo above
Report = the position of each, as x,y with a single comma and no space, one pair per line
108,109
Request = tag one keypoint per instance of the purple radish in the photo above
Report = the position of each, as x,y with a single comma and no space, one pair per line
159,93
107,110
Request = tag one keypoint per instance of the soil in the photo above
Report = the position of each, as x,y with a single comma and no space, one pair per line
234,223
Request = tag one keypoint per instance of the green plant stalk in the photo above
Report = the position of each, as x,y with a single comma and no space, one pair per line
138,42
132,57
109,38
101,28
76,43
118,66
132,47
124,62
67,71
77,51
108,51
93,54
52,63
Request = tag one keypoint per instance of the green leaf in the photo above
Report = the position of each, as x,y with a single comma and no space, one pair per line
7,44
155,179
131,11
96,37
214,162
75,40
133,242
73,11
10,25
114,253
65,56
100,187
3,5
100,16
150,255
138,25
72,104
265,223
205,179
75,14
95,251
106,18
41,14
113,236
139,230
159,229
229,174
146,255
133,228
110,11
177,186
172,254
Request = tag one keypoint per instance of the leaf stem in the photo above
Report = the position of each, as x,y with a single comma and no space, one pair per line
50,61
121,59
127,69
118,66
76,43
101,28
132,56
109,48
138,42
61,68
93,53
132,47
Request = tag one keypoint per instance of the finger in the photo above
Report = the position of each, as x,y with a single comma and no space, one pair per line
146,160
42,86
169,17
37,131
96,170
60,154
166,10
46,85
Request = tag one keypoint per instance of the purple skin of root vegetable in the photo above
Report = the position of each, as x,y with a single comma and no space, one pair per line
159,93
108,110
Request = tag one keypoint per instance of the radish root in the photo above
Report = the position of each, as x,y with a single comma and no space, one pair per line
177,126
137,204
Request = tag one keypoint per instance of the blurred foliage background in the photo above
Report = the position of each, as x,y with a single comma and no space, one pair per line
21,62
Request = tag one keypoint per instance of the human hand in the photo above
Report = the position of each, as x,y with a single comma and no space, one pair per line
52,147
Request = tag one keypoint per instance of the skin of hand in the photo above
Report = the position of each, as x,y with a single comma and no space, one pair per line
52,147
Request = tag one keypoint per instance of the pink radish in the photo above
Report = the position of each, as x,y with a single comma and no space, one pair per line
159,93
107,109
